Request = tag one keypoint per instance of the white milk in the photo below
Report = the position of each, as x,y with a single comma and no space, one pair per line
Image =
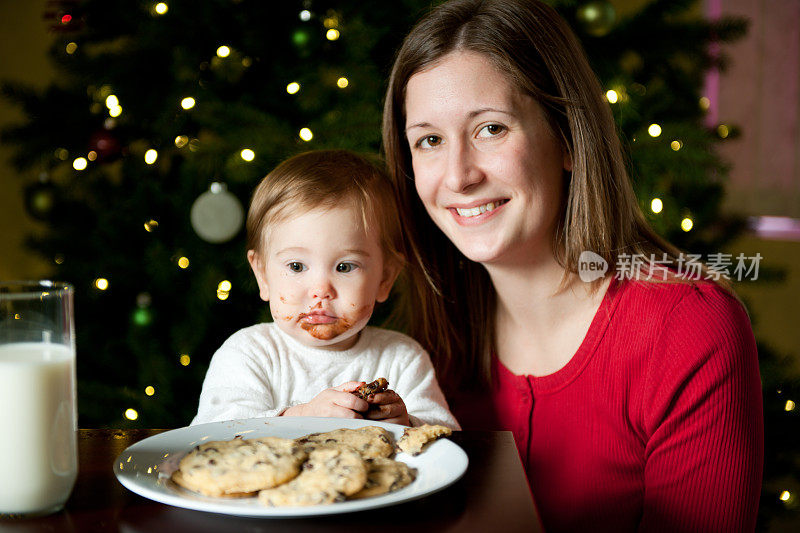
38,426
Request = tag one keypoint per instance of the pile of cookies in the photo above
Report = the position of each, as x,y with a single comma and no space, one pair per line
316,469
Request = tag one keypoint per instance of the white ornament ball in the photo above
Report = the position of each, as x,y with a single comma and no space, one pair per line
217,215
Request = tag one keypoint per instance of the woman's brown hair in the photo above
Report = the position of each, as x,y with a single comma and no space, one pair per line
453,298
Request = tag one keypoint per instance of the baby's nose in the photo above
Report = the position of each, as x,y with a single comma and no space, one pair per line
322,290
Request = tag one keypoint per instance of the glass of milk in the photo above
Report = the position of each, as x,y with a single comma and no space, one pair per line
38,411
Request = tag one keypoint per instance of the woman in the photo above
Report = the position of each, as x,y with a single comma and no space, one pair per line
634,403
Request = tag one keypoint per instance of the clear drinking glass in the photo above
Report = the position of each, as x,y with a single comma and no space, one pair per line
38,409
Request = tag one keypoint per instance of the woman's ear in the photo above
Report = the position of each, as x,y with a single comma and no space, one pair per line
259,270
567,161
390,272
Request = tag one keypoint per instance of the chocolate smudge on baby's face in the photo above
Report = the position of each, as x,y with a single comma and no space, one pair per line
330,331
326,332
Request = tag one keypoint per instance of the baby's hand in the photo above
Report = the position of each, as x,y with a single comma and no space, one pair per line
387,406
336,402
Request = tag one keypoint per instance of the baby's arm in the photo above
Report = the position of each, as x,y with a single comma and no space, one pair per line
238,382
337,402
416,379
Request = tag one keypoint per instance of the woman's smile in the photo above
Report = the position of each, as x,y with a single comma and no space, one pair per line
477,213
487,166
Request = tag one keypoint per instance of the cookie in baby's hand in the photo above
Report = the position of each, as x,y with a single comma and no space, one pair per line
368,389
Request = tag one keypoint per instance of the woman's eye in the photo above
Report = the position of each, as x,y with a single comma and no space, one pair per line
429,141
296,266
346,267
491,130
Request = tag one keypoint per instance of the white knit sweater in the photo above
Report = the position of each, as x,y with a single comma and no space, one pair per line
261,371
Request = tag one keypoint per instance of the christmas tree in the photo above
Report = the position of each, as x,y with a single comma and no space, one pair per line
166,115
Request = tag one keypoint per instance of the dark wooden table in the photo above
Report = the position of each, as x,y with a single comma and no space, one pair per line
492,496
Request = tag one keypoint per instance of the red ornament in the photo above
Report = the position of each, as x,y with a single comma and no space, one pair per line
65,15
105,144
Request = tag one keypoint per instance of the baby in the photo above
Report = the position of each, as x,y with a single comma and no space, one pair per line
324,243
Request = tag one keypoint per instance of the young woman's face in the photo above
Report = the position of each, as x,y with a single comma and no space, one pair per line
487,166
322,274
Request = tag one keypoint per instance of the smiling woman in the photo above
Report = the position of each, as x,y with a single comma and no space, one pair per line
634,401
485,153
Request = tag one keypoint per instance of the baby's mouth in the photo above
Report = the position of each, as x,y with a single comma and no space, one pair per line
317,317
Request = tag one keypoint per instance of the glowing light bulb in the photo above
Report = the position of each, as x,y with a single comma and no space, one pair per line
293,87
223,51
342,82
305,15
247,154
687,224
151,225
676,145
150,156
149,390
161,8
188,102
91,156
80,163
181,141
101,284
185,359
723,131
705,103
131,414
115,111
332,34
656,205
224,289
785,496
790,405
654,130
183,262
112,101
612,96
306,134
71,47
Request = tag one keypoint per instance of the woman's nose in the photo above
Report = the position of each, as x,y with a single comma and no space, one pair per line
463,171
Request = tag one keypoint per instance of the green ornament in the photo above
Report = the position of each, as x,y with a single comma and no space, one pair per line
142,317
597,17
301,37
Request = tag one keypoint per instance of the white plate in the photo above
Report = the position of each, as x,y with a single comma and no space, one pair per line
146,466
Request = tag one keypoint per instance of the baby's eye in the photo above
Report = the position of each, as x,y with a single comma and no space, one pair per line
491,130
429,141
296,266
346,267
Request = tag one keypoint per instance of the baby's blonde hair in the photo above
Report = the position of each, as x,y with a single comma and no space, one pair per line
326,179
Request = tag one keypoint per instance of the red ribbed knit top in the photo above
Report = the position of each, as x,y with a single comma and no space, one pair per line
655,424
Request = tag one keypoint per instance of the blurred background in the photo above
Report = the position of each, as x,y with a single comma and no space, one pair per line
134,131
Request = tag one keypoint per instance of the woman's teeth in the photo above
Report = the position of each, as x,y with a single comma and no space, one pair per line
475,211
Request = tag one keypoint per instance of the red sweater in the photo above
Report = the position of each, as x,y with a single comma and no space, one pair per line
655,424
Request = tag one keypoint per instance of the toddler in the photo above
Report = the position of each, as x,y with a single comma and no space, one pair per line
324,242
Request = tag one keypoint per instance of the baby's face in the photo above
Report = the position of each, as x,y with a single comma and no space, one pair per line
322,275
